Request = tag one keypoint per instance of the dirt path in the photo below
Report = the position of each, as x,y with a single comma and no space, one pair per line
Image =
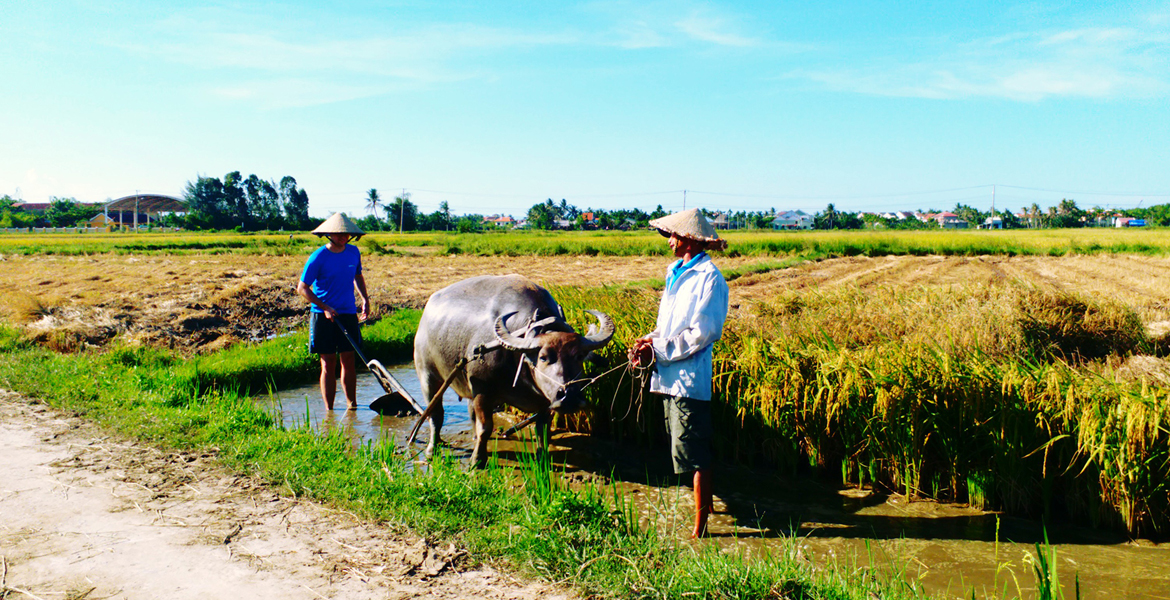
89,516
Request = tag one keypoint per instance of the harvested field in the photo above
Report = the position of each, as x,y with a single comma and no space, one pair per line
206,302
1139,281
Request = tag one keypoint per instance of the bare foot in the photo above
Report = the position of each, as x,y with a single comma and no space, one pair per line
352,407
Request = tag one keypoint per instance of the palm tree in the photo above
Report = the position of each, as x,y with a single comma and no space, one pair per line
372,202
446,208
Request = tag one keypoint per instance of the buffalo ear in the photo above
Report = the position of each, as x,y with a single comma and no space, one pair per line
597,360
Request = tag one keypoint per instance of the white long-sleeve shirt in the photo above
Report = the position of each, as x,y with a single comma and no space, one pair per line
690,321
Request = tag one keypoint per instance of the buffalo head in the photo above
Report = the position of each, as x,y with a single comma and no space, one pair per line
556,355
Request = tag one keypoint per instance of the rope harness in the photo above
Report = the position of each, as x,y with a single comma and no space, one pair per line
640,374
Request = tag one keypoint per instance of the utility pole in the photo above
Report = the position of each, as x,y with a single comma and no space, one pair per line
402,210
993,205
684,199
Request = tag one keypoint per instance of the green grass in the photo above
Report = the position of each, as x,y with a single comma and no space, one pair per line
1041,242
253,369
530,519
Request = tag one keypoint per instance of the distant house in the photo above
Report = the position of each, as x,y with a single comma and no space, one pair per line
949,220
500,220
992,223
1130,222
720,221
32,206
792,219
115,220
101,220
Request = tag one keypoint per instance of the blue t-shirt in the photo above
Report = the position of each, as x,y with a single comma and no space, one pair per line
331,276
678,268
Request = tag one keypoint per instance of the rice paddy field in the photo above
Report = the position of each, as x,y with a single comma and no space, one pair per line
1023,372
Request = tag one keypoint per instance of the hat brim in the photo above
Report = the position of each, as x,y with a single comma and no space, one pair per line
353,237
715,244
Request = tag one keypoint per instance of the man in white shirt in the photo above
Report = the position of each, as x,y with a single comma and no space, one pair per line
690,321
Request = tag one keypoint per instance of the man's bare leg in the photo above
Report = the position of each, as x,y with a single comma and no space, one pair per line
328,379
703,500
349,379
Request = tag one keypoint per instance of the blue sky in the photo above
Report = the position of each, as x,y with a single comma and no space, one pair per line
495,106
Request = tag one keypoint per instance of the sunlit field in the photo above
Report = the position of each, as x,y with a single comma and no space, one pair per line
1019,371
1039,242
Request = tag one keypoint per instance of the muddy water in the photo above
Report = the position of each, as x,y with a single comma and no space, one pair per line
949,549
301,405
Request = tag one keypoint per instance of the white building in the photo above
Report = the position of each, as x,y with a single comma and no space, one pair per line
792,219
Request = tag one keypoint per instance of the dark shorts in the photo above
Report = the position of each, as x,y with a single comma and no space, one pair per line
689,423
326,338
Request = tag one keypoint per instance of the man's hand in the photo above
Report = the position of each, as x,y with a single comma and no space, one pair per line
329,312
641,354
365,312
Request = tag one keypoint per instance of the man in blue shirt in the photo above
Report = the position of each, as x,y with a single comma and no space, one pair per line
690,321
327,282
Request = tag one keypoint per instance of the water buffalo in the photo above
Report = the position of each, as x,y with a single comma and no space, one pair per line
523,322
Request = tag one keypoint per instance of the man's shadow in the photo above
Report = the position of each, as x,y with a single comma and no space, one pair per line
763,504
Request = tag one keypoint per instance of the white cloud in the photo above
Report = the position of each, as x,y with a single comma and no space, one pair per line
713,29
1100,63
279,65
668,24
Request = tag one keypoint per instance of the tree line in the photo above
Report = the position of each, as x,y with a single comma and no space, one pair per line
1065,214
252,203
62,212
403,215
247,204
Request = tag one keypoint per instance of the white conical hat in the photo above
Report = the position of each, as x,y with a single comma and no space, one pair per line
338,223
690,224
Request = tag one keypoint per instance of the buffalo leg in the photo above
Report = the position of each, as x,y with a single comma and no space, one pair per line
483,423
430,385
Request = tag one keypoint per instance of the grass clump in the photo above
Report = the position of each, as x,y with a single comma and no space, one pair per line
22,307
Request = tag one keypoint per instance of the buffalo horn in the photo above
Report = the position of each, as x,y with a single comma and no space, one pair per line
604,331
510,341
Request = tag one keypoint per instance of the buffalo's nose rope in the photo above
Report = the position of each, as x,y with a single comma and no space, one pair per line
563,386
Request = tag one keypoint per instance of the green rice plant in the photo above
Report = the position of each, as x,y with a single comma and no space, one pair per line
1047,577
929,392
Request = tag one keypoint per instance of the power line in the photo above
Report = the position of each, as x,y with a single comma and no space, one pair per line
1083,193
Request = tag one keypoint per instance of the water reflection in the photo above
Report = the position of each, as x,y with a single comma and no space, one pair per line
303,404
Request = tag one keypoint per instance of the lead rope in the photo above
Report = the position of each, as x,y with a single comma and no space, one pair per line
639,373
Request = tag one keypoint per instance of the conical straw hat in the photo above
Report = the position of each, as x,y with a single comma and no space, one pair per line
690,224
338,223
